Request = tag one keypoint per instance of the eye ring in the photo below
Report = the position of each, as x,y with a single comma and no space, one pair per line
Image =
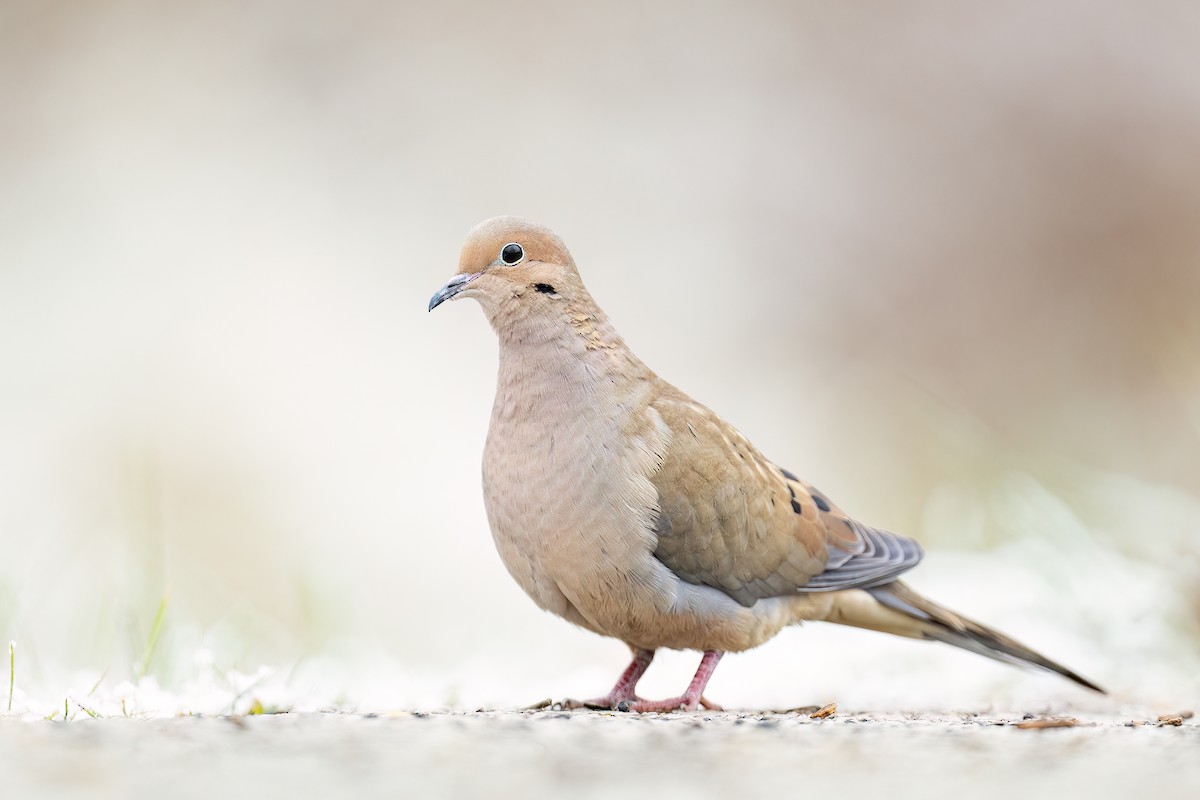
511,254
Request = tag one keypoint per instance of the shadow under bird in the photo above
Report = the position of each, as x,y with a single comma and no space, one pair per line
622,505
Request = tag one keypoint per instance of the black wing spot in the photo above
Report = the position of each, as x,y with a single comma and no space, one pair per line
799,509
544,288
787,474
821,502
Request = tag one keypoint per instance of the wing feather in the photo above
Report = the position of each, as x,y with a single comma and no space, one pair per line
730,519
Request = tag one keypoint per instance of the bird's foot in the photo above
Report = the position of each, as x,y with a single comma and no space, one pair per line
611,702
690,700
623,692
681,703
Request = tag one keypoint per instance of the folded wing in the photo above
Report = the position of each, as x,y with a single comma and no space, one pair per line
730,519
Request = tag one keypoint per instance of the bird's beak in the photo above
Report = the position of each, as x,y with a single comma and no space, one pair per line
452,287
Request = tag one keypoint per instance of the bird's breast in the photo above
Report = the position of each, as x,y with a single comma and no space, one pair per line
562,488
569,499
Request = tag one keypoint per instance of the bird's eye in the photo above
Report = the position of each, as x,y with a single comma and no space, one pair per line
511,253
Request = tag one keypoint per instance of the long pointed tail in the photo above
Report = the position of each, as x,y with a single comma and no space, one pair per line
898,609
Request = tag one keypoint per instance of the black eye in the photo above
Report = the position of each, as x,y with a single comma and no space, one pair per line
511,253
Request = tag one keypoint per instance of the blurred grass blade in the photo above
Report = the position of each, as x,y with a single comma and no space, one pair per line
12,670
143,666
99,680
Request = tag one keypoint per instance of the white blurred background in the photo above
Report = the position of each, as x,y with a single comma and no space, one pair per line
941,259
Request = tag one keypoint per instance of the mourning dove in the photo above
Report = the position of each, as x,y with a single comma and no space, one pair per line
622,505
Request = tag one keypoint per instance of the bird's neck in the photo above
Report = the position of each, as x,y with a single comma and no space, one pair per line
570,359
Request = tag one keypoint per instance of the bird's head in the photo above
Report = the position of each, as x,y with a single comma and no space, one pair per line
508,260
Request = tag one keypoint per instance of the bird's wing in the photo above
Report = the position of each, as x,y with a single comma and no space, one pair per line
730,519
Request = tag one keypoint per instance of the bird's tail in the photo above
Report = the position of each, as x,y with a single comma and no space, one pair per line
899,610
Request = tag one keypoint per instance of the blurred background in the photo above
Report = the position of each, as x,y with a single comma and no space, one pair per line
941,259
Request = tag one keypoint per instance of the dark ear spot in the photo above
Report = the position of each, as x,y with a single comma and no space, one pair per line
544,288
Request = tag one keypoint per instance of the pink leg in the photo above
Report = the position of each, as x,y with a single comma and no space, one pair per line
693,698
623,692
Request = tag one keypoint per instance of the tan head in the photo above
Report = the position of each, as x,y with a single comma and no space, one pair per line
510,260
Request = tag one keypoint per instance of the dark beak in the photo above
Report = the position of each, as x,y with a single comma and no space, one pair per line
452,287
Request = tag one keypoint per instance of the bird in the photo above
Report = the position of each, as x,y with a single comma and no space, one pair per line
622,505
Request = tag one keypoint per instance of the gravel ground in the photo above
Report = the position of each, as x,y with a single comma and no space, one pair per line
595,754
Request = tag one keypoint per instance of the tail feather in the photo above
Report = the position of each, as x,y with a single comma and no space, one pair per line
943,625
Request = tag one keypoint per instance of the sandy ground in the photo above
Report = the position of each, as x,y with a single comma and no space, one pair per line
549,753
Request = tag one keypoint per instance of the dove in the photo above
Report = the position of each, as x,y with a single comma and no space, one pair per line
624,506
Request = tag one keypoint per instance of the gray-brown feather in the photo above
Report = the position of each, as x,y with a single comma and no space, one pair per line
730,519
